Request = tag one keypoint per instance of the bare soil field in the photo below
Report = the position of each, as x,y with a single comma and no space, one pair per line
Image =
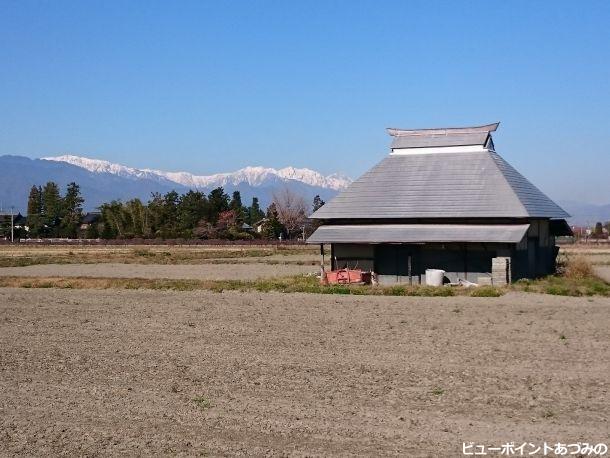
23,255
231,262
230,271
88,372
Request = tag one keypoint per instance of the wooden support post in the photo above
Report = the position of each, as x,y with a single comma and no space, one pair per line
322,254
323,279
466,262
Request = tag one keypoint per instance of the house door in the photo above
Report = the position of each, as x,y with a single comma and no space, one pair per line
398,261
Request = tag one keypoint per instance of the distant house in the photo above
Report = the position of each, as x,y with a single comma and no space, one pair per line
443,199
21,222
6,217
17,220
246,227
258,226
89,219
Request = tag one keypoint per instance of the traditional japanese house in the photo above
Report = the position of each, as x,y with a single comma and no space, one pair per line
443,199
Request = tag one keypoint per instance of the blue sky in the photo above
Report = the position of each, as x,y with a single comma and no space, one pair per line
213,86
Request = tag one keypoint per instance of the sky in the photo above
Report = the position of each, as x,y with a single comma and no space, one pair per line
213,86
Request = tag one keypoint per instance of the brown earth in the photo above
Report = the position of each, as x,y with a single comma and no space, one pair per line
185,373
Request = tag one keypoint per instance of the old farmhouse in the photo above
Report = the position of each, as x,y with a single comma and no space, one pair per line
443,199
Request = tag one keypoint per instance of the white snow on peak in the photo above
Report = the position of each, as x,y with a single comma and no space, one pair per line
100,166
254,176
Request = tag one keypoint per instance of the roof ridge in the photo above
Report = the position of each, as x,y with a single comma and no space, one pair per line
396,132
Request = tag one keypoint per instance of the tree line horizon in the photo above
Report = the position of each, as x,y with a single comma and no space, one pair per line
194,214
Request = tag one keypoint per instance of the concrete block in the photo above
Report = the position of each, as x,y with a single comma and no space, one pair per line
500,271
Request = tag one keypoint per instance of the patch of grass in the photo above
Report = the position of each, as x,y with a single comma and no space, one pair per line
486,291
438,391
548,414
432,291
24,261
141,252
596,287
396,290
577,280
202,403
558,285
561,290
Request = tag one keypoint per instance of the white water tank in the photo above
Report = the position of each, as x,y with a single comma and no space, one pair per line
434,277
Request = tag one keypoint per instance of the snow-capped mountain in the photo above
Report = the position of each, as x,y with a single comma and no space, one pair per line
252,176
102,181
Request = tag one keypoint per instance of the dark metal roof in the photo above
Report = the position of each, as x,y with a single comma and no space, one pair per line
91,217
419,233
441,185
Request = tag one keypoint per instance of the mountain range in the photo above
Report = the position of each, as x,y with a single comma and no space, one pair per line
103,181
584,214
253,176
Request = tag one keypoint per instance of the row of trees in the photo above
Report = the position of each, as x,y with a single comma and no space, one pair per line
171,215
174,215
598,229
52,215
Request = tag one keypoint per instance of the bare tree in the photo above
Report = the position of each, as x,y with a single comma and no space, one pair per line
291,209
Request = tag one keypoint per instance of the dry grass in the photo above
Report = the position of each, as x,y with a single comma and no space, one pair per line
297,284
596,255
575,278
578,268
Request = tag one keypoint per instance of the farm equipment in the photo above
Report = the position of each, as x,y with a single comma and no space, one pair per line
345,277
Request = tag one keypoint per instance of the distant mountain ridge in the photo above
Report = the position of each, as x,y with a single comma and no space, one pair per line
253,176
102,181
583,214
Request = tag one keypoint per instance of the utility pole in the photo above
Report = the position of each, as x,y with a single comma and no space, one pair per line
12,225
